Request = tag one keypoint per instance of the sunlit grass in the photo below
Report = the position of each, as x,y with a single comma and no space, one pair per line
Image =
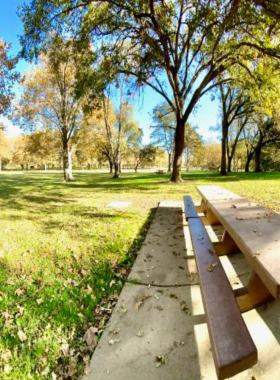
63,252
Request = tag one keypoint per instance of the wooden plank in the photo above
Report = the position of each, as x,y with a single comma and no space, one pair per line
215,193
190,210
256,232
253,295
232,346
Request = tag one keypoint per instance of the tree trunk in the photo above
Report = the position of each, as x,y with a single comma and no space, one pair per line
178,151
258,150
247,165
229,163
169,161
110,165
70,167
116,170
67,162
0,164
223,170
187,160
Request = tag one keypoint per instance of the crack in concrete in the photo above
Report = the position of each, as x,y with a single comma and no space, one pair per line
160,285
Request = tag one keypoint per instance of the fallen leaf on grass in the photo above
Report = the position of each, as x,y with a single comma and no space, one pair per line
20,309
6,355
7,369
87,370
19,292
21,336
90,337
64,349
72,368
89,289
39,301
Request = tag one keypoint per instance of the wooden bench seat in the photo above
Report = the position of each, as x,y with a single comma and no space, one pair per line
232,346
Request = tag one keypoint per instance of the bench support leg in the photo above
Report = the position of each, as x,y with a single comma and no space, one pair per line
202,207
255,294
210,218
226,245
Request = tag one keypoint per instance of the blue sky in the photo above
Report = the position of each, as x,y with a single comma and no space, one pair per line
205,116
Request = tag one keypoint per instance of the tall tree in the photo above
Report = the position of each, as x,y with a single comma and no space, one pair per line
5,152
233,138
8,76
49,97
178,48
163,130
144,155
193,142
43,147
114,127
235,104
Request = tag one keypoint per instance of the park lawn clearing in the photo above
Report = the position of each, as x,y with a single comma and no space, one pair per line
64,257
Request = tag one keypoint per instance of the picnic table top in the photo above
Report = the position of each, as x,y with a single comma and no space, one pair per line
256,231
215,193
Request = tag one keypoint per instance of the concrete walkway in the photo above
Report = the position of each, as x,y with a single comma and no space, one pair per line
158,328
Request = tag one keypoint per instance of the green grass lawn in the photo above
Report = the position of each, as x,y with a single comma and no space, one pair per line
64,257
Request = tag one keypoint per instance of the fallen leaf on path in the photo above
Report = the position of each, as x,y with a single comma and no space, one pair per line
160,308
184,307
161,360
173,296
113,341
124,309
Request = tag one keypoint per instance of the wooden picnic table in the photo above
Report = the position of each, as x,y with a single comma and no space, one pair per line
253,230
232,346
